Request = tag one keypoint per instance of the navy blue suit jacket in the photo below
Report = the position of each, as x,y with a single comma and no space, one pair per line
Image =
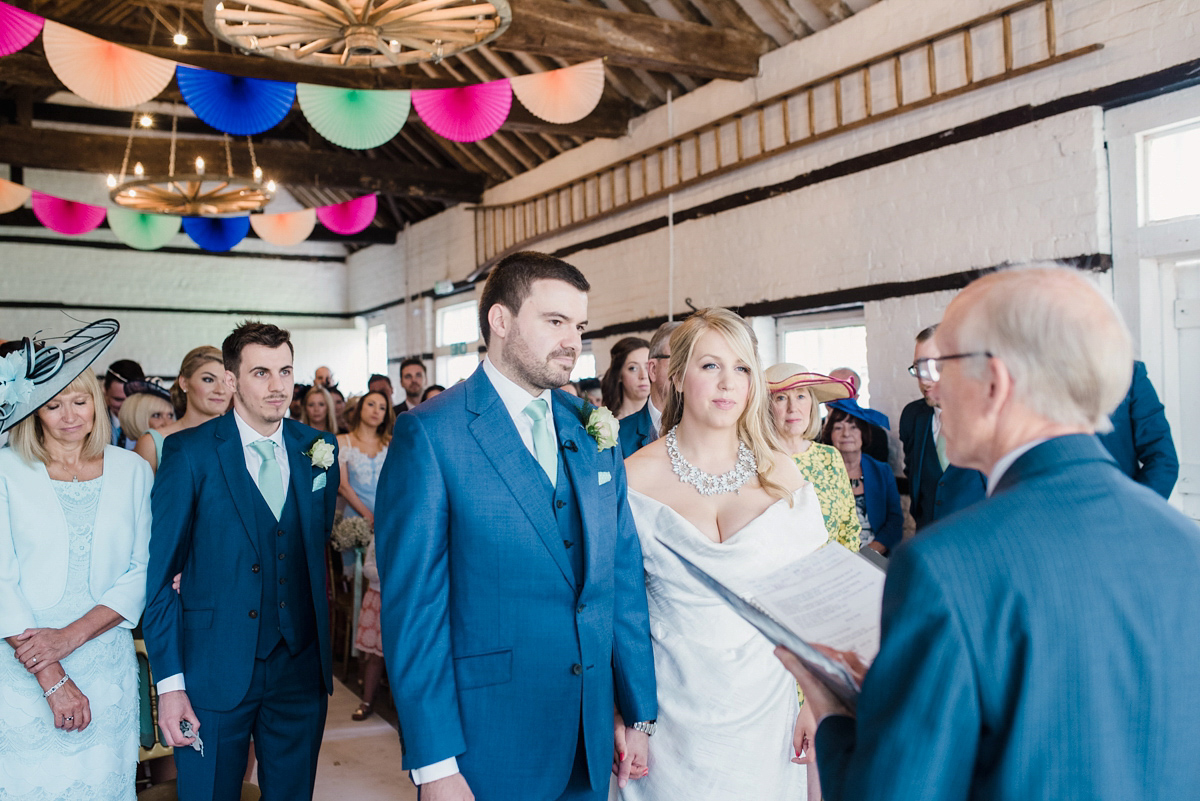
1024,637
935,494
637,431
494,652
1141,437
883,502
205,528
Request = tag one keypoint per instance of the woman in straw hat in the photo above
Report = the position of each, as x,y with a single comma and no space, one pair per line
74,535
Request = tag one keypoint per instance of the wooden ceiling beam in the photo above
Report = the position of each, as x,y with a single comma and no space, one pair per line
289,166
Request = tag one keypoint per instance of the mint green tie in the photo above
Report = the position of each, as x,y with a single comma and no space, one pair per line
941,452
543,438
270,480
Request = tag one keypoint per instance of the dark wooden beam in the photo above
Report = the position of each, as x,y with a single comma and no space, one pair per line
576,33
289,166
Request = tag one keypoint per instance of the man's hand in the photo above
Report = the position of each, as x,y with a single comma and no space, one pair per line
174,707
451,788
42,647
816,695
631,752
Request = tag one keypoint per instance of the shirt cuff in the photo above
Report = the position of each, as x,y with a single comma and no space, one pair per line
438,770
170,684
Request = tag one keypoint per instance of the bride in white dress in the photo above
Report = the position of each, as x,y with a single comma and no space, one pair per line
718,489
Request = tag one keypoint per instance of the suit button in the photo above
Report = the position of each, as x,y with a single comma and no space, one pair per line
253,613
254,568
282,555
283,581
279,533
581,608
577,670
283,604
560,504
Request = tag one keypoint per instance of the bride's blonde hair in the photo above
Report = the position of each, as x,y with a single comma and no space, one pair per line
754,426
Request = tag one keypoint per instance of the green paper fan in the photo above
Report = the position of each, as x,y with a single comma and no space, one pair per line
354,118
142,231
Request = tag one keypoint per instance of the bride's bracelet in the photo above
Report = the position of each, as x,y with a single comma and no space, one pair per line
54,689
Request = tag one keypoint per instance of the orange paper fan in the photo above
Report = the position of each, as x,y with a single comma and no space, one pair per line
286,228
12,196
561,96
107,74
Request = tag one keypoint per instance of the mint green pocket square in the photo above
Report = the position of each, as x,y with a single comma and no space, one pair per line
319,482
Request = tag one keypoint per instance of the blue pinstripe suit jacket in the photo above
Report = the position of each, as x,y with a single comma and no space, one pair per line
1041,644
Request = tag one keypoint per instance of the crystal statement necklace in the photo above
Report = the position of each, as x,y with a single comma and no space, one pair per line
745,469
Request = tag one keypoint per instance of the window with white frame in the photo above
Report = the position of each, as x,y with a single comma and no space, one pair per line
456,339
377,362
1171,172
825,341
585,365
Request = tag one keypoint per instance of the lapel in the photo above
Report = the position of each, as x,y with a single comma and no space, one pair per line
497,436
233,465
924,439
579,454
302,472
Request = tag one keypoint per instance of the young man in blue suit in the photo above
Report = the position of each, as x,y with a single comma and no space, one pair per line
514,602
1043,643
1140,439
937,487
243,506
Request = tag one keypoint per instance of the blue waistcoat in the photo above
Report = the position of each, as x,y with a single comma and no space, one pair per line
570,524
286,611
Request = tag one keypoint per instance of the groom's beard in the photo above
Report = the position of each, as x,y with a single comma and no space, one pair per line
541,373
267,413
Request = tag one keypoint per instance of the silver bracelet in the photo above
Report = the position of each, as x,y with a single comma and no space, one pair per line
54,689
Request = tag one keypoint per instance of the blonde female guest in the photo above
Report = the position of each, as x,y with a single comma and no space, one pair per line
199,395
319,411
361,454
795,393
718,488
147,407
626,382
74,537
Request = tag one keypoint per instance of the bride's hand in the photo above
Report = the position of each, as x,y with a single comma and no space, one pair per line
804,736
631,752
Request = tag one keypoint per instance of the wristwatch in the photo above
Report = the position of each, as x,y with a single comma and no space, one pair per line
646,727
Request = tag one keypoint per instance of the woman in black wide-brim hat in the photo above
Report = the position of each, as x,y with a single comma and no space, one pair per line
74,537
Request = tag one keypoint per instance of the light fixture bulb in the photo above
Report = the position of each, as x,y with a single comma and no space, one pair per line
270,186
139,170
112,181
180,39
146,121
220,6
199,165
258,173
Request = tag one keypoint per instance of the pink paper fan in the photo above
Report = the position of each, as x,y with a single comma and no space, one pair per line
17,28
12,196
466,113
288,228
561,96
349,217
101,72
66,216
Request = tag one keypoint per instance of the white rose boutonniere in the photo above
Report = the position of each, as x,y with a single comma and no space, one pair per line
602,427
321,454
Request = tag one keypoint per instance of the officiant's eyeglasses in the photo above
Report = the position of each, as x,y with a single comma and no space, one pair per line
931,369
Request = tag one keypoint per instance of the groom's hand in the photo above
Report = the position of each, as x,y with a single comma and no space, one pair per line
174,707
631,752
451,788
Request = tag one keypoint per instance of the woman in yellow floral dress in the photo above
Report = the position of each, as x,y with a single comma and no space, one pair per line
795,393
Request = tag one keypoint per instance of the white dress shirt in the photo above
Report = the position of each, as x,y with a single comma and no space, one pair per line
1006,461
655,417
253,463
515,398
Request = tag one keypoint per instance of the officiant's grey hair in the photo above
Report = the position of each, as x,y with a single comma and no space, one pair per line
511,282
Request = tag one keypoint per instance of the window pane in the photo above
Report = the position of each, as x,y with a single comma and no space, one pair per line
824,349
457,323
452,369
1173,175
585,367
377,349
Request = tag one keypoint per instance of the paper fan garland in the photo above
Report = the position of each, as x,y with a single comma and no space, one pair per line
17,28
12,196
101,72
233,104
465,113
66,216
354,118
217,234
287,228
561,96
142,231
349,217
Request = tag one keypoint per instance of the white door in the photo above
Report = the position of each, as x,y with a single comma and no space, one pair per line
1181,349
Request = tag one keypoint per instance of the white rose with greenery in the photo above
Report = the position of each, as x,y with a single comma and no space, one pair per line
321,453
603,427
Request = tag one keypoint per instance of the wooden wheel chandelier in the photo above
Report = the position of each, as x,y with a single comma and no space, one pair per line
357,33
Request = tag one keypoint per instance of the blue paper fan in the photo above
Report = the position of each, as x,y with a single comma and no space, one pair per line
217,234
233,104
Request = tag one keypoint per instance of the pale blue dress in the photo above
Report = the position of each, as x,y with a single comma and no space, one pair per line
363,472
37,761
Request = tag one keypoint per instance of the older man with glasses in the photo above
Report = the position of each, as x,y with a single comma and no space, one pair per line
641,428
937,487
1043,643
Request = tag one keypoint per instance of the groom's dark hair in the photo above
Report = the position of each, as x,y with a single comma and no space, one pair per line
511,281
252,333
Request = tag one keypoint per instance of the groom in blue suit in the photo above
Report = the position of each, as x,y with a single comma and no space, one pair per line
1043,643
514,602
243,506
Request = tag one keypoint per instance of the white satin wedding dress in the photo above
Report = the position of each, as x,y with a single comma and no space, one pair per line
726,706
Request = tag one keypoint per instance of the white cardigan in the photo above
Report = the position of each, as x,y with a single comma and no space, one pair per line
33,539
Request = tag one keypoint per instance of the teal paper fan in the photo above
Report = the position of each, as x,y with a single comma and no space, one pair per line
354,118
142,231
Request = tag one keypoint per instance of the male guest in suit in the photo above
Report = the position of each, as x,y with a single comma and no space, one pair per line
937,487
242,508
1140,440
514,601
1043,643
412,381
640,429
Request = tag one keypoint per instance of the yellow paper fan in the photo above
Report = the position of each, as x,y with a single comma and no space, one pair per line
107,74
285,228
561,96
